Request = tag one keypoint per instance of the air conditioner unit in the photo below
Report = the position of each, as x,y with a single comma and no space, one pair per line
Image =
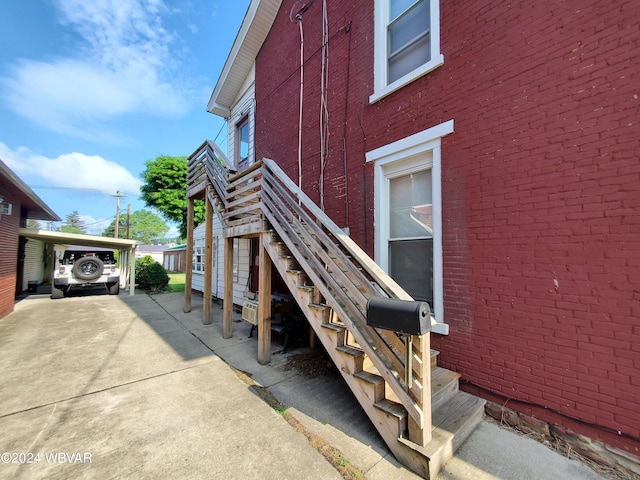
250,312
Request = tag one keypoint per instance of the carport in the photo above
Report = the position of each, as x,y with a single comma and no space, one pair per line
126,248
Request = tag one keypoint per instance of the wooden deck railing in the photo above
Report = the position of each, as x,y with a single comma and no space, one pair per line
344,275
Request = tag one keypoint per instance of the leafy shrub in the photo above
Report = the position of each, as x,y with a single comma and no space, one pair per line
150,274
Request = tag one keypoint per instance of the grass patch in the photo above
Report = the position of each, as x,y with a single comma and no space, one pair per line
176,282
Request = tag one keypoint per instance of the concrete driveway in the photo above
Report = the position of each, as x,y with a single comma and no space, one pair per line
131,387
116,387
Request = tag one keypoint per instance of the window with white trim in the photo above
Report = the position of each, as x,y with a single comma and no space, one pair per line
197,264
242,143
198,255
236,260
410,236
408,215
407,43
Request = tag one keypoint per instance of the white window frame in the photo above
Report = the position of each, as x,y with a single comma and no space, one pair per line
236,260
380,74
214,253
198,251
410,154
244,121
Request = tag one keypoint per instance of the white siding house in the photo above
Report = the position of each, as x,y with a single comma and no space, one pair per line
241,263
34,260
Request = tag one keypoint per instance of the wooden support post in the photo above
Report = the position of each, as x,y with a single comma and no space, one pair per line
189,253
421,434
208,260
264,303
227,301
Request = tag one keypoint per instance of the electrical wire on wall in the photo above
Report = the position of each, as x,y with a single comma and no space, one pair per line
297,18
344,129
324,111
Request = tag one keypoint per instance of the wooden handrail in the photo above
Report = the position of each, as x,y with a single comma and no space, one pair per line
343,273
379,275
354,306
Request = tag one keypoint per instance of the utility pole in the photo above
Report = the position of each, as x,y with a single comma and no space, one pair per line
118,196
128,221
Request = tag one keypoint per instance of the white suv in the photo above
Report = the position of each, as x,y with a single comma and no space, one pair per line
85,267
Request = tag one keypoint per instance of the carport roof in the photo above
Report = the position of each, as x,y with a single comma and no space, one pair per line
64,238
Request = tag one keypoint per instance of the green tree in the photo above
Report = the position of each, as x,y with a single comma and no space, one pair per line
165,189
34,224
73,223
122,228
144,226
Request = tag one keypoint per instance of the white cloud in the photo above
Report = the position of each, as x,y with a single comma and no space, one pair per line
71,170
93,226
124,65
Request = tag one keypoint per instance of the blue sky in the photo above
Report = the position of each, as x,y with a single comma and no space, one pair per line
91,90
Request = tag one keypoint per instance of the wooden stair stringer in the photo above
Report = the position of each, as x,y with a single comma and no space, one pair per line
387,421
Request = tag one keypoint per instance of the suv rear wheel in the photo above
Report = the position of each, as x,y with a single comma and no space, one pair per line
56,292
114,288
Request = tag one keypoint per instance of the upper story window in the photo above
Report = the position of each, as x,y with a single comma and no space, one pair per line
242,143
407,43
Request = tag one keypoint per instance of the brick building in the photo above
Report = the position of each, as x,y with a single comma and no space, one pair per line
174,259
486,156
520,127
17,203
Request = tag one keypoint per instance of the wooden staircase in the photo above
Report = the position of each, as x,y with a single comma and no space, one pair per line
424,420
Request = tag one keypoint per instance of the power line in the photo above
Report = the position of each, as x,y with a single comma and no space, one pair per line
92,190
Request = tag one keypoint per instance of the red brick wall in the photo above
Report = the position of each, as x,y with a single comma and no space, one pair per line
540,185
179,260
9,225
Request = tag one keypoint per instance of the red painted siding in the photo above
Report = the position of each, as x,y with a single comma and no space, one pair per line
540,186
9,226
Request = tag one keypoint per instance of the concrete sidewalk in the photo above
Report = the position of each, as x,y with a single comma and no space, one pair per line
132,387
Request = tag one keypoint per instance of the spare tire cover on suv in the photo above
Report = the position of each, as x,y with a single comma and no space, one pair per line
88,268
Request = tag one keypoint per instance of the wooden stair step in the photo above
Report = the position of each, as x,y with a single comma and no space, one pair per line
392,408
335,327
444,413
375,381
394,411
355,358
452,425
325,310
296,272
369,377
444,384
354,352
460,417
338,332
434,358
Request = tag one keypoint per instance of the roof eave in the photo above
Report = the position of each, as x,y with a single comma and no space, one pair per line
252,33
37,210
